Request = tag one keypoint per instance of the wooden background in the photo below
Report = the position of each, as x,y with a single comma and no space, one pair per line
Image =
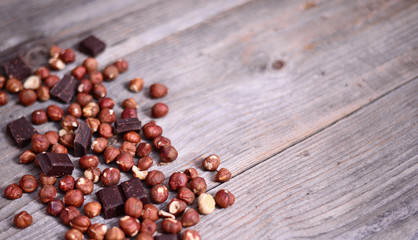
324,148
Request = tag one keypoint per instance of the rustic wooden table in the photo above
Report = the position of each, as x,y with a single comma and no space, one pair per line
322,147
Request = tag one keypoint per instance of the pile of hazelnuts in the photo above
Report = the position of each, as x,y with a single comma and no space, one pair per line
92,104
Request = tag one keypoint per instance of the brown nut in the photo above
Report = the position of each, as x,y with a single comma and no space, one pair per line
223,175
136,84
66,183
190,218
54,51
91,64
27,97
42,72
39,143
107,115
92,209
176,206
129,113
158,90
159,110
52,137
32,82
110,176
79,72
145,163
154,177
159,193
128,147
150,212
54,113
74,234
58,148
28,183
88,161
81,223
39,117
224,198
110,154
190,234
125,161
51,80
122,65
144,236
164,214
93,174
73,197
191,173
84,185
47,180
211,163
56,64
85,86
83,99
14,85
4,98
13,191
93,124
129,103
170,225
68,213
143,149
198,185
55,207
67,55
96,77
99,145
106,103
74,110
206,203
148,226
69,123
133,207
152,130
115,233
132,137
47,193
22,220
91,110
161,142
27,157
66,138
99,91
177,181
2,81
43,93
110,72
186,195
168,154
97,231
129,225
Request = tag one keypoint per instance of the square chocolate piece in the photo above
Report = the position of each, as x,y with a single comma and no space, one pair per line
167,236
126,125
82,140
92,46
55,164
134,188
65,89
21,131
112,201
17,68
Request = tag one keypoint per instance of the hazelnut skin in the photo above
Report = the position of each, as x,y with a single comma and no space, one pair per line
79,72
136,84
152,130
110,154
67,55
92,209
128,147
106,103
132,137
143,149
191,173
47,193
161,142
177,181
47,180
190,234
224,198
81,223
68,213
4,98
39,117
91,64
99,145
28,183
97,231
74,198
150,212
144,236
133,207
43,93
96,77
52,137
170,225
93,174
158,90
55,207
66,183
154,177
110,72
106,130
190,218
27,157
159,110
129,103
148,226
186,195
145,163
122,65
211,163
54,113
223,175
84,185
125,161
110,176
88,161
27,97
13,191
39,143
74,234
168,154
198,185
129,225
129,113
22,220
74,110
159,193
115,233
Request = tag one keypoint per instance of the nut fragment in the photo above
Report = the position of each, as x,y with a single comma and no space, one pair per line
190,234
54,51
84,185
133,207
206,203
159,193
93,174
190,218
74,197
115,233
136,84
66,138
22,220
13,191
32,82
92,209
170,225
28,183
223,175
47,180
186,195
74,234
164,214
138,173
198,185
68,213
55,207
176,206
224,198
110,176
81,223
129,225
97,231
211,163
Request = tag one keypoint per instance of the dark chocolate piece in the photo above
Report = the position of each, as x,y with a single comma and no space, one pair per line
92,46
126,125
134,188
65,89
17,68
55,164
21,131
82,140
112,201
167,236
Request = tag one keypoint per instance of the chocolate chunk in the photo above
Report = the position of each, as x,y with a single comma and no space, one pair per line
21,131
92,46
112,201
55,164
167,236
82,140
65,89
134,188
17,68
127,124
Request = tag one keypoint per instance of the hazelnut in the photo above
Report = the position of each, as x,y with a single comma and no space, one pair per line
122,65
190,234
13,191
52,137
92,209
186,195
132,137
93,174
47,180
129,113
159,110
136,84
158,90
32,82
110,154
39,117
168,154
152,130
2,81
125,161
81,223
97,231
67,138
145,163
42,72
129,103
93,124
96,77
138,173
68,213
58,148
190,218
211,163
154,177
28,183
110,176
170,225
129,225
106,130
43,93
56,64
110,72
177,181
91,64
143,149
66,183
159,193
133,207
83,99
69,123
91,110
54,51
106,103
224,198
148,226
150,212
4,98
164,214
55,207
176,206
99,91
191,173
39,143
22,220
54,113
14,85
27,157
27,97
144,236
223,175
99,145
84,185
161,142
85,86
74,234
67,55
74,197
206,203
74,110
198,185
115,233
128,147
51,81
107,115
47,193
88,161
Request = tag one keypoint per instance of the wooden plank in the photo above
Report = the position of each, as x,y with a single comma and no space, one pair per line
355,180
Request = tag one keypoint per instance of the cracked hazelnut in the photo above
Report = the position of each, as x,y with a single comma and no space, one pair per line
158,90
190,234
47,180
106,103
83,99
177,181
93,174
159,110
143,149
79,72
168,154
22,220
68,213
99,145
54,51
223,175
129,113
161,142
211,163
84,185
129,103
198,185
66,138
39,143
13,191
88,161
74,110
110,176
91,110
42,72
150,212
85,86
54,113
56,64
91,64
93,124
136,84
55,207
129,225
27,97
138,173
69,123
190,218
133,207
128,147
66,183
28,183
27,157
186,195
132,137
74,197
47,193
52,137
176,206
122,65
92,209
74,234
97,231
110,72
51,81
125,161
191,173
96,77
67,55
39,117
224,198
14,85
4,98
107,115
159,193
148,226
206,203
154,177
110,154
170,225
58,148
145,163
43,93
99,91
32,82
115,233
81,223
152,130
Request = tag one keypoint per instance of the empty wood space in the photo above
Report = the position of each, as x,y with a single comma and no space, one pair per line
312,106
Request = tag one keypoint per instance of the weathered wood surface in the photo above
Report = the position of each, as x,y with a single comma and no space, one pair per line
226,98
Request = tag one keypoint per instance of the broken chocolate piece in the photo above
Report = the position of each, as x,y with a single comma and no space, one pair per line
112,201
55,164
134,188
65,89
167,236
92,46
17,68
126,125
21,131
82,140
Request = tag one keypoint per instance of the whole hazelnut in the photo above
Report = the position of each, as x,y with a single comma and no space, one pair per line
74,197
211,163
99,145
106,130
88,161
148,226
39,117
54,51
92,209
107,115
85,86
170,225
133,207
99,91
150,212
144,236
54,113
91,110
83,99
51,80
66,183
145,163
223,175
129,103
22,220
67,55
110,176
191,173
129,225
58,148
66,138
4,98
14,85
128,147
158,90
152,130
132,137
110,154
97,231
186,195
69,123
177,181
154,177
27,97
27,157
161,142
47,193
74,234
168,154
43,93
13,191
84,185
125,161
143,149
93,124
47,180
2,81
79,72
91,64
68,213
55,207
74,110
93,174
190,218
42,72
96,77
159,193
159,110
106,103
32,82
110,72
28,183
176,206
206,203
190,234
129,113
122,65
115,233
224,198
198,185
81,223
136,84
52,137
56,64
138,173
39,143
